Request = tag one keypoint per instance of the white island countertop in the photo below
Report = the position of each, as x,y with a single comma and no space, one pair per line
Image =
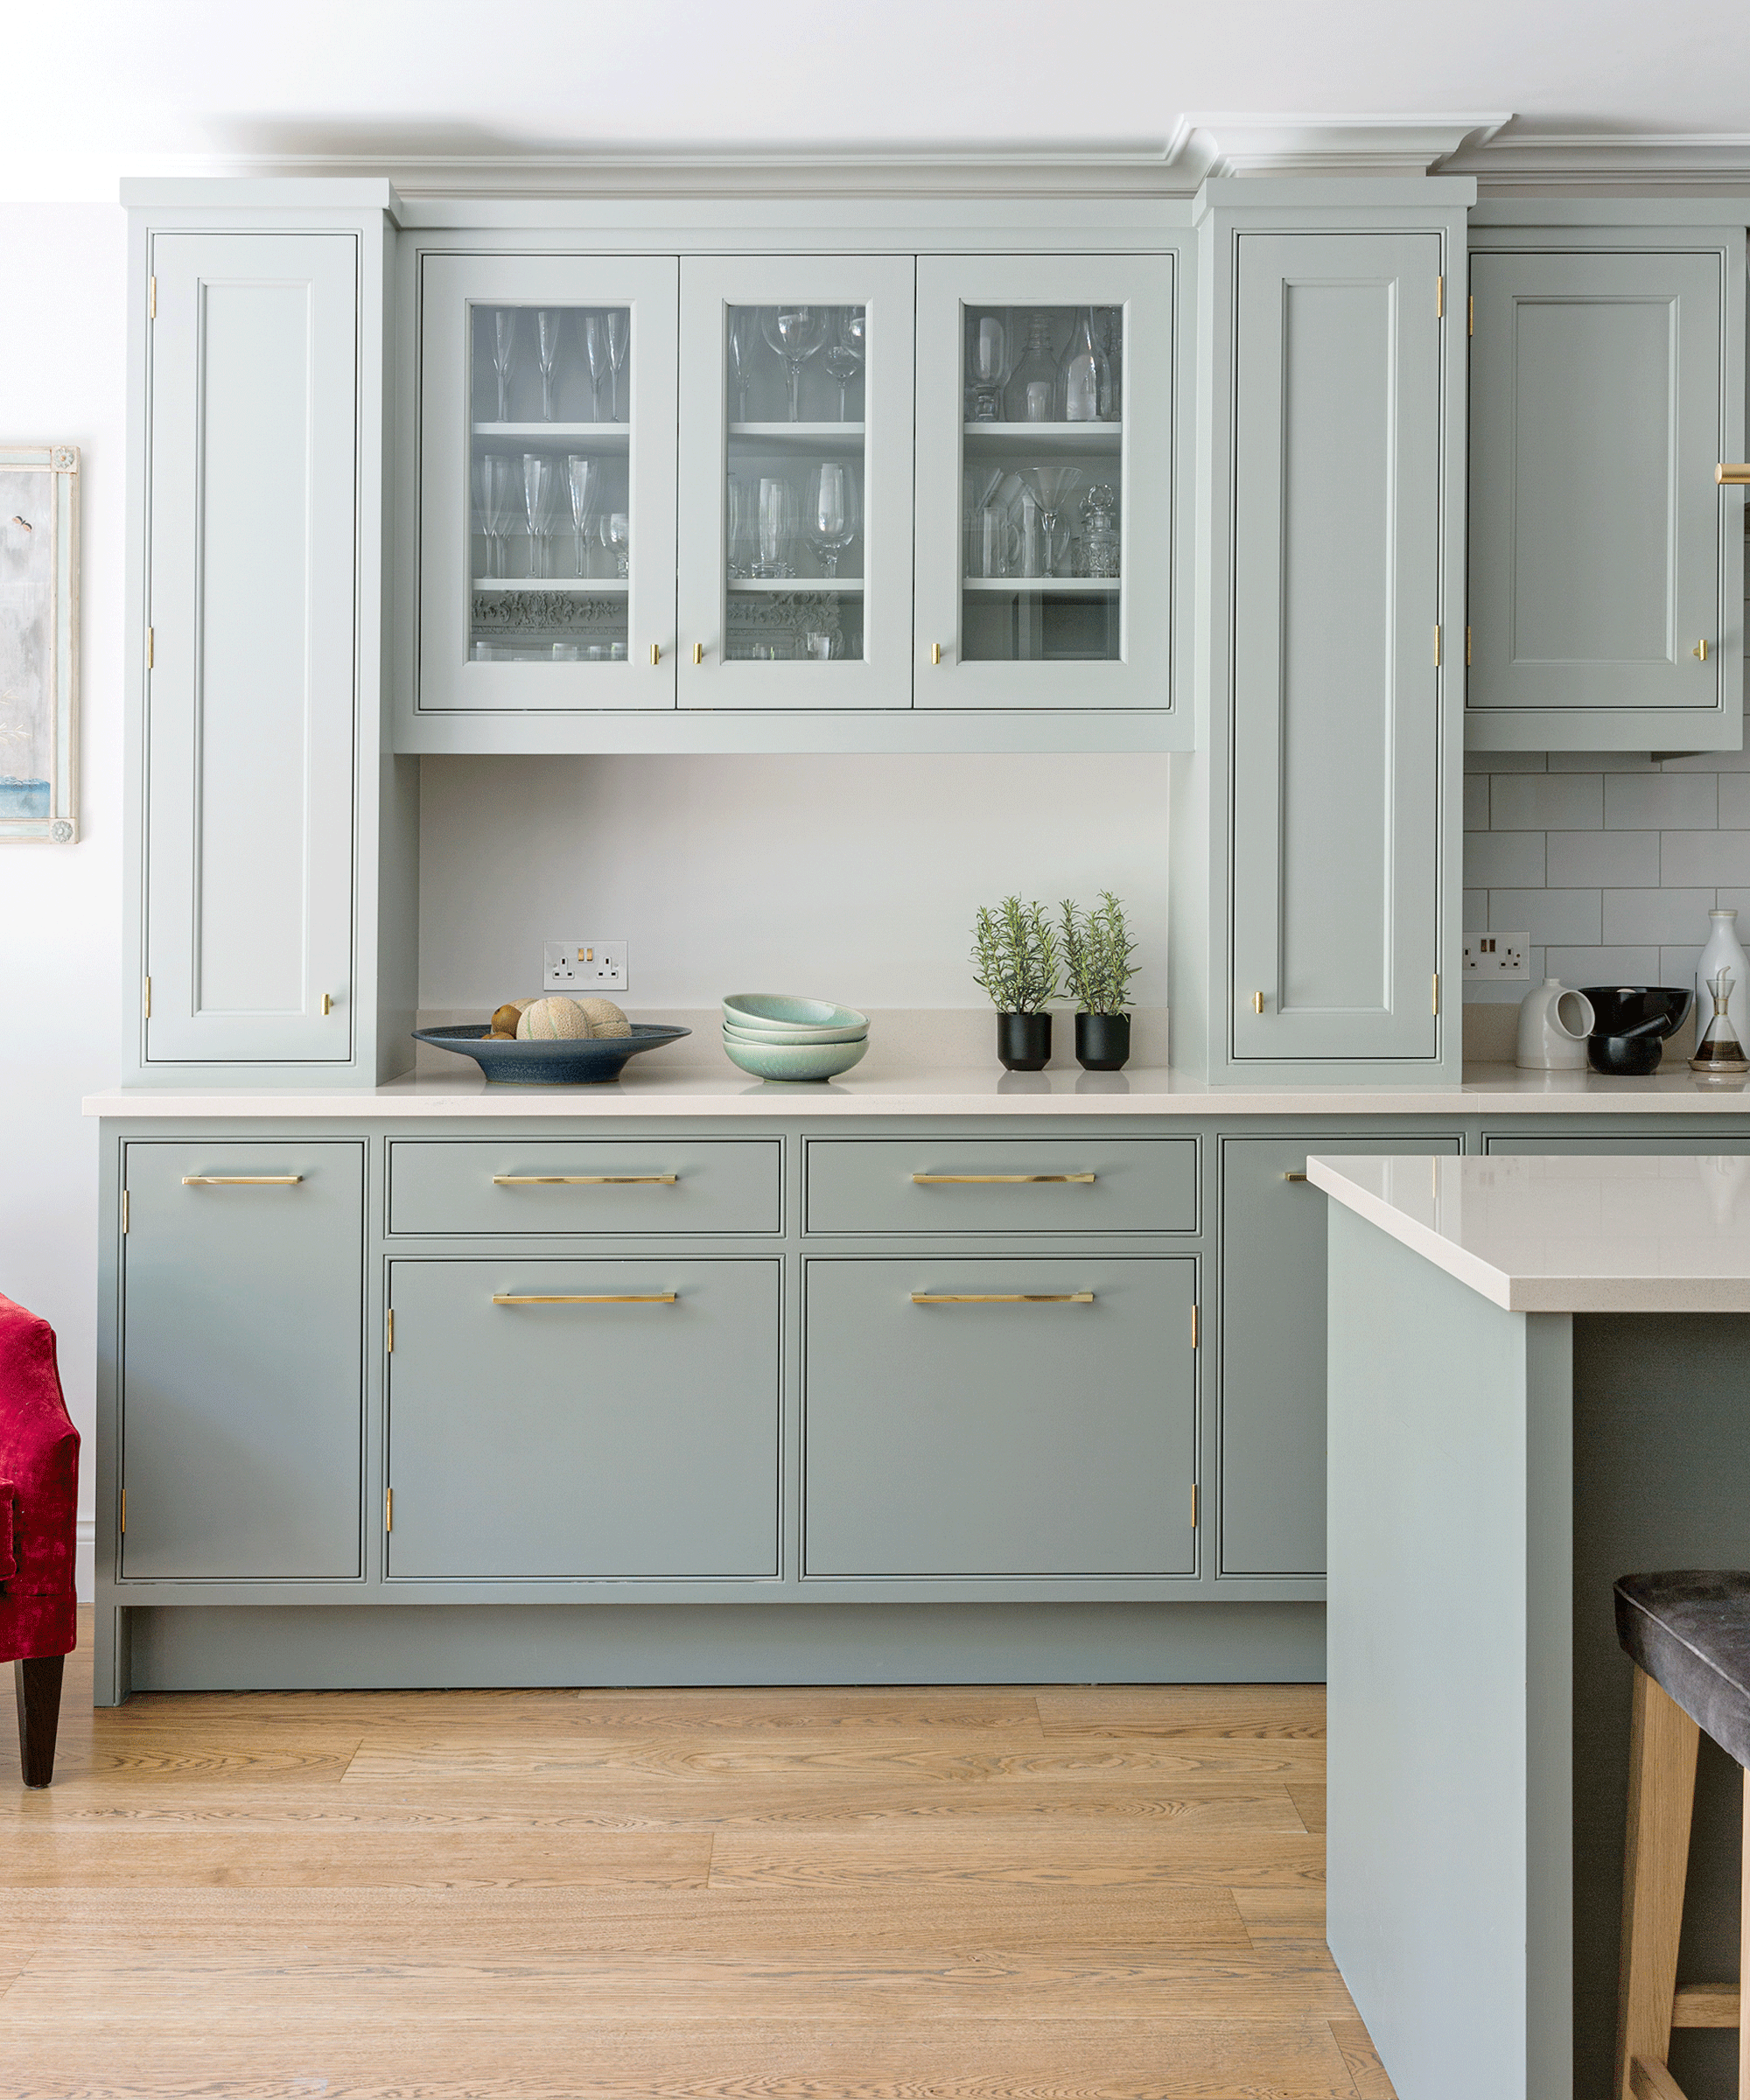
1640,1235
975,1090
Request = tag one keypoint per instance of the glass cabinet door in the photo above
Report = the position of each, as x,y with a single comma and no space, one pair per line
546,478
795,531
1045,472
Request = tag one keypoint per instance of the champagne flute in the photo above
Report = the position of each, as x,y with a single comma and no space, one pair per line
742,321
776,526
537,495
795,332
504,356
988,367
832,512
496,483
844,359
596,357
547,349
738,525
619,342
584,477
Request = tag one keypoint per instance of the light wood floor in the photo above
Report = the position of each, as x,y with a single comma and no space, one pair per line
1037,1894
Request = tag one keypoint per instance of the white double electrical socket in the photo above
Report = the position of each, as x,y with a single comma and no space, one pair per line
576,966
1497,954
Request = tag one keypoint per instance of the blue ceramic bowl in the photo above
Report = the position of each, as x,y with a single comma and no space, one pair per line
797,1060
782,1010
534,1062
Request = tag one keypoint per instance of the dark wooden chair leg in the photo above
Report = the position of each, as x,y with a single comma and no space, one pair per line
38,1685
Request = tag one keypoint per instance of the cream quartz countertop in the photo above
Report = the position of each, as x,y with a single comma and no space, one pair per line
1639,1235
983,1090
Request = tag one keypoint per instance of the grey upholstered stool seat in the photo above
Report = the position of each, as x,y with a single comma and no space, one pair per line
1688,1634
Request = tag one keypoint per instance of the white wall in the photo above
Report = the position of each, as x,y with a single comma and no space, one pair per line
853,878
63,373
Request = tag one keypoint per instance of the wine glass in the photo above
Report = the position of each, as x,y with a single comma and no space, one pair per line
1050,484
547,349
742,321
795,332
497,481
739,525
596,357
538,492
844,359
832,512
987,365
504,356
584,477
617,538
619,342
776,526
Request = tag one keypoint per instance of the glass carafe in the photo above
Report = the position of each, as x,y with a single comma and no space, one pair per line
1084,378
1031,395
1719,1049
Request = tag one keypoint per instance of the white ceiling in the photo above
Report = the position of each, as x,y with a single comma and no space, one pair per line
112,87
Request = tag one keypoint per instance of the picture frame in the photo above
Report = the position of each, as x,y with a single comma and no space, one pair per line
39,643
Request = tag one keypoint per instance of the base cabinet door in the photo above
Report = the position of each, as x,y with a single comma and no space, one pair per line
1000,1416
241,1378
584,1419
1272,1406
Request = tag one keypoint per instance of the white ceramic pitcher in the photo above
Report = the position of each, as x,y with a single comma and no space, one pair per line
1554,1024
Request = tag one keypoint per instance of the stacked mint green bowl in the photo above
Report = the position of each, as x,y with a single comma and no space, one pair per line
775,1035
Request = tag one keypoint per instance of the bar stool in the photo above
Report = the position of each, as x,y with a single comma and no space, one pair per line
1688,1634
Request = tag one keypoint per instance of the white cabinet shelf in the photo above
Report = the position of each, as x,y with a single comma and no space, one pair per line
1051,437
753,585
561,586
571,433
1052,586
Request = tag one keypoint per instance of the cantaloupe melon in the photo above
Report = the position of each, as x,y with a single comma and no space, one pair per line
605,1019
547,1020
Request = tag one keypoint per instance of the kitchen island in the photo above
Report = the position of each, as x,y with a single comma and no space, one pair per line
1539,1380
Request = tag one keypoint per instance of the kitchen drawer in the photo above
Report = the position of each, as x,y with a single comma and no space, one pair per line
986,1185
1040,1418
670,1184
620,1419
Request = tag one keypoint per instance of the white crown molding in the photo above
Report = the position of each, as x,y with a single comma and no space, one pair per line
1691,160
1237,144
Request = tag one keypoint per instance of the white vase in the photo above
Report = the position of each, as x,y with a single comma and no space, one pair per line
1554,1024
1723,952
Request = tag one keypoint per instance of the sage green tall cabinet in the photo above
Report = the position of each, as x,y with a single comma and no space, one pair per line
1316,829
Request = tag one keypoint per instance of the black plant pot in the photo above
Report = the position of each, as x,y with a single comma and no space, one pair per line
1102,1041
1023,1041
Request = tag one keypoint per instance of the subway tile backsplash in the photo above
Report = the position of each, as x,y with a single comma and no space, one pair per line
1609,860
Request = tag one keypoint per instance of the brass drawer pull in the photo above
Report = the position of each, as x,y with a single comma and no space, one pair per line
240,1180
936,1180
1003,1298
1733,473
1292,1176
581,1180
605,1298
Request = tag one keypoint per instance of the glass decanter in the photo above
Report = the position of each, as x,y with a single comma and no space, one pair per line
1098,554
1031,394
1084,376
1719,1049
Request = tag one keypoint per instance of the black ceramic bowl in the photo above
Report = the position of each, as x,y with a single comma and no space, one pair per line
1630,1023
541,1063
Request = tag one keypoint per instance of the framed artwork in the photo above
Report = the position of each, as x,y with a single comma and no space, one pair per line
39,642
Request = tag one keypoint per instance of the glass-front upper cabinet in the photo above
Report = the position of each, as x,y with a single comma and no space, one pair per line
795,526
546,481
1045,481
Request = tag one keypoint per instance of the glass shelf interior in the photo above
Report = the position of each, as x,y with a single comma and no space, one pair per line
1042,483
793,481
552,527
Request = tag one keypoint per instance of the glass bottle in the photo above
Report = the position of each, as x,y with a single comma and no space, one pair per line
1723,952
1083,374
1099,549
1719,1049
1030,395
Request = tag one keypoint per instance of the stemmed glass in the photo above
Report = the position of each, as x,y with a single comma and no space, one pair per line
739,524
795,332
844,355
776,526
743,320
538,492
832,512
617,538
547,349
619,342
987,365
495,486
585,479
504,356
596,356
1051,485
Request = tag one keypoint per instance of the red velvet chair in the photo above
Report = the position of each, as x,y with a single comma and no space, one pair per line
39,1507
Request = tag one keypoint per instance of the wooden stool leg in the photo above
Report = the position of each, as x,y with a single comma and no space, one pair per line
36,1684
1662,1774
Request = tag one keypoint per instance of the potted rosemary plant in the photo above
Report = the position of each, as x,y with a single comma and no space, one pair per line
1015,949
1098,949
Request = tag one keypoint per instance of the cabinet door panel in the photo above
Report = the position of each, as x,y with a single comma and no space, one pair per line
1335,750
620,1435
1000,1439
252,483
1598,537
528,605
243,1374
1272,1429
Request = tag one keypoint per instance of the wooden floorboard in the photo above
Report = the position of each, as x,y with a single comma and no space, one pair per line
1061,1892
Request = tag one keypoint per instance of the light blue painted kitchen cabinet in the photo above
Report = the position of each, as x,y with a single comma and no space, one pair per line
1606,566
242,1415
1021,1415
252,544
1335,854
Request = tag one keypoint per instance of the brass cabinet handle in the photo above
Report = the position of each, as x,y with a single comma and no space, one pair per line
600,1297
327,1004
1002,1298
1292,1175
1257,1002
240,1180
935,652
1732,474
655,652
698,652
1700,651
939,1180
581,1180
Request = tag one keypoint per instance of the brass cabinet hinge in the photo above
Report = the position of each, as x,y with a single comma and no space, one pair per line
1441,298
391,1331
124,1510
1467,645
147,1015
1193,1505
1436,991
1193,1326
152,299
149,648
389,1509
124,1213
